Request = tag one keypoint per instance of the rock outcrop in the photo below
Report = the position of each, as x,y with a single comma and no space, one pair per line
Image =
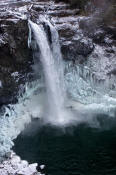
78,36
14,53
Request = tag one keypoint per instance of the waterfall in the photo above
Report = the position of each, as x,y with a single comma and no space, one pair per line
51,59
86,98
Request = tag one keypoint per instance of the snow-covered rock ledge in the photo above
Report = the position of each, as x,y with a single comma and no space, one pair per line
13,165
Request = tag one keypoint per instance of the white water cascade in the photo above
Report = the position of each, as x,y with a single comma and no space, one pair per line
51,60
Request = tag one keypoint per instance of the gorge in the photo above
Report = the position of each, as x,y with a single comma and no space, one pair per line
58,86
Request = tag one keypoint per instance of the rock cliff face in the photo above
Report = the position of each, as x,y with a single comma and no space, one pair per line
78,37
14,53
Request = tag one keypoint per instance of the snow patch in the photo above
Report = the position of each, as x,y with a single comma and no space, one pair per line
14,165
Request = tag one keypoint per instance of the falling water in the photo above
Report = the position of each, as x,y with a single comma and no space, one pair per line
51,60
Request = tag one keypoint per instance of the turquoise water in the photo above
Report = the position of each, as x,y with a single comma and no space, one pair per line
79,150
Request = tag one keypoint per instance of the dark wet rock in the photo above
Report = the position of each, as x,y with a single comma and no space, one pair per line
48,32
39,8
77,49
66,32
15,42
94,28
110,50
90,25
14,54
10,86
77,3
63,13
13,39
100,21
99,36
84,47
112,72
5,100
111,30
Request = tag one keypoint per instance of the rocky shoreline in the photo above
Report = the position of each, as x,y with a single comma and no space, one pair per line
13,165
